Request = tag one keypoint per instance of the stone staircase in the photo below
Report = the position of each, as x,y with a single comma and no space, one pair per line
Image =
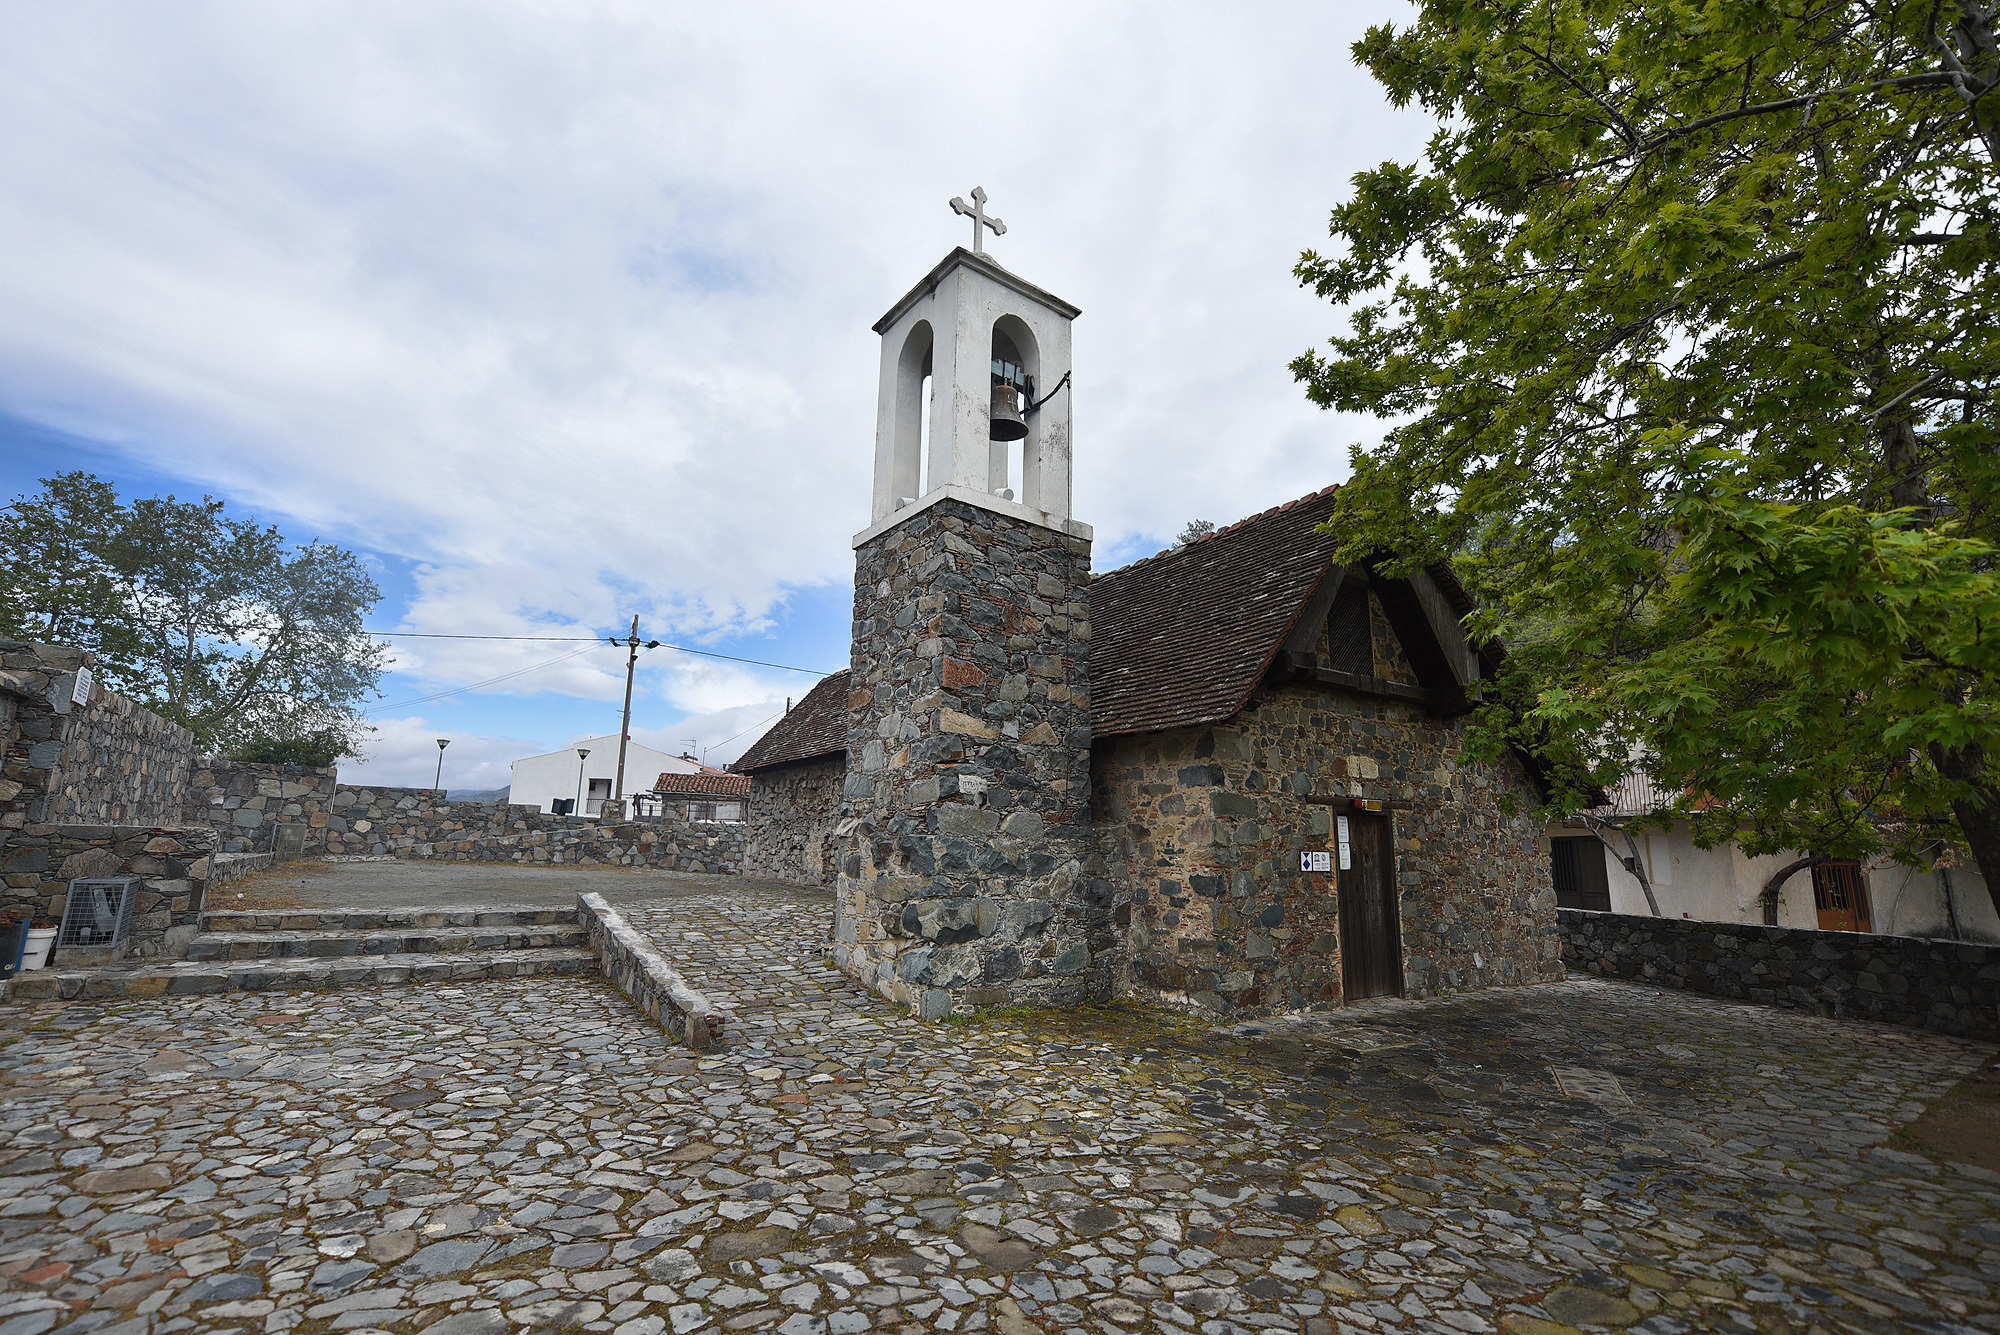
251,951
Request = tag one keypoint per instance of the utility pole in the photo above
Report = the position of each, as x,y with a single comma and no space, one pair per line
625,728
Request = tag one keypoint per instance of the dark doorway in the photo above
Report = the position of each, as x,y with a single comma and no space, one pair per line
1840,897
1371,948
1578,866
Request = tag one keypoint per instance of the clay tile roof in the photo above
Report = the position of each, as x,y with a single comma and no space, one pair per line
1182,638
710,784
816,727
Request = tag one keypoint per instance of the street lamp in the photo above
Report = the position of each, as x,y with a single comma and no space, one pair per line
443,742
581,752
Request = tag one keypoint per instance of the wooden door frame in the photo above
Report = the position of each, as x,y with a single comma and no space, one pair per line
1395,902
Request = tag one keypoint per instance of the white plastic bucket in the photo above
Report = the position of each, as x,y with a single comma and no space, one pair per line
35,954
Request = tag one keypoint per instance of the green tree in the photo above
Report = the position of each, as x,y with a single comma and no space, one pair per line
57,585
1688,316
1194,531
212,621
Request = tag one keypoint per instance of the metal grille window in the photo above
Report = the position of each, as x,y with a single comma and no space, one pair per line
98,912
1840,897
1350,642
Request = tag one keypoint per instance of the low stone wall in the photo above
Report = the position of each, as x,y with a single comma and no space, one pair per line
244,799
1944,986
174,865
794,810
245,803
102,761
643,974
422,823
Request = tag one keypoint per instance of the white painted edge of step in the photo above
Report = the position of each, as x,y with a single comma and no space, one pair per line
629,959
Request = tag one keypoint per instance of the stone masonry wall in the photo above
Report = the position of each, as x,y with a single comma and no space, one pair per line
794,810
244,799
967,874
107,760
1203,827
1950,987
174,865
423,823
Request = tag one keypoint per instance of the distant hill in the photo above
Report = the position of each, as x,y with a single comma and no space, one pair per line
481,795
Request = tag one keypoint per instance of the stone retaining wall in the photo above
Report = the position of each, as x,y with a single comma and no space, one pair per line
175,866
643,974
794,810
1944,986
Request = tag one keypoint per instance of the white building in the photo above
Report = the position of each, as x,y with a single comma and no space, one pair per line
1724,884
540,780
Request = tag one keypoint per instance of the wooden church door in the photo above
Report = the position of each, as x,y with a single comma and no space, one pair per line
1371,948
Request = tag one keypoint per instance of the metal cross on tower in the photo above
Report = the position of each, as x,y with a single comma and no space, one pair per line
977,212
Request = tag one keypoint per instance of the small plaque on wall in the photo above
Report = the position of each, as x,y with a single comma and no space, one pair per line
1319,860
79,694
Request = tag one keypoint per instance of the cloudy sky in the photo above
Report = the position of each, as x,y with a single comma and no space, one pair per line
560,312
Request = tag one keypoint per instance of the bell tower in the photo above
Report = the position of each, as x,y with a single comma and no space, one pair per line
967,878
983,356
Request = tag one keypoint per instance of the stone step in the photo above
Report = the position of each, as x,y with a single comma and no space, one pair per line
198,978
371,920
350,943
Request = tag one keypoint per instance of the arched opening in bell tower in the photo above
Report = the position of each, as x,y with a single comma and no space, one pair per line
1016,363
912,431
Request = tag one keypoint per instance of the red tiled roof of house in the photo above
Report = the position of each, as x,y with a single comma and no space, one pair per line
816,728
712,784
1182,638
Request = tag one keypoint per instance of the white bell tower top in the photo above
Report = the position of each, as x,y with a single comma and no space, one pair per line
966,318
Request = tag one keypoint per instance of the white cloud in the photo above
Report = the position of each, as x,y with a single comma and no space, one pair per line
571,303
403,753
717,737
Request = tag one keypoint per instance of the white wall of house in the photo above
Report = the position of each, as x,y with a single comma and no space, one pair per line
1723,884
540,780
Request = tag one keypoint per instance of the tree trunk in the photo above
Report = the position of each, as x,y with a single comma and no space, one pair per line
1636,863
1767,899
1908,485
1978,812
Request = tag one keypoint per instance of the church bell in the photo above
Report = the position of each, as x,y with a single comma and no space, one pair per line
1007,421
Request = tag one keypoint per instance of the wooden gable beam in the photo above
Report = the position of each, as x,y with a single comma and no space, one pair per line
1440,664
1459,655
1304,634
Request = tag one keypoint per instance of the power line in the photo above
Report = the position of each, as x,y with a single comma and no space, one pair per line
431,635
679,648
727,740
490,681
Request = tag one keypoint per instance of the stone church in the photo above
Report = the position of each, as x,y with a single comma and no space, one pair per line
1226,776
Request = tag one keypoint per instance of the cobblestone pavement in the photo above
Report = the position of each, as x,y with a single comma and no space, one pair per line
528,1154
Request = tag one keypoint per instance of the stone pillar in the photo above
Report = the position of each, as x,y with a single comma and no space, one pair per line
967,874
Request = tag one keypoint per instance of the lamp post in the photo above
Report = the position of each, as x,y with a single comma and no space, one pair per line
581,752
443,742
